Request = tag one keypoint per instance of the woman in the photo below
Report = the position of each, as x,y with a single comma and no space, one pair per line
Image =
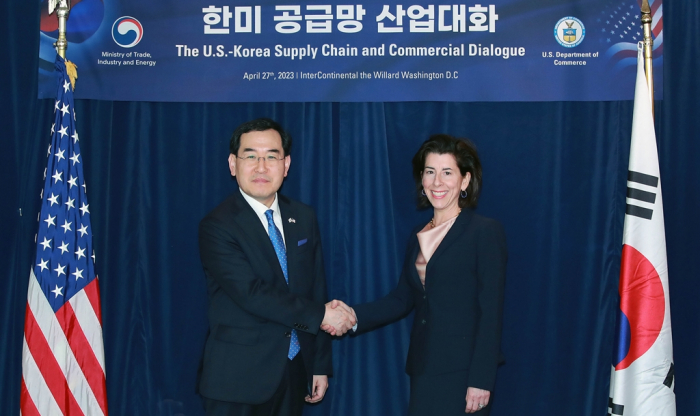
453,276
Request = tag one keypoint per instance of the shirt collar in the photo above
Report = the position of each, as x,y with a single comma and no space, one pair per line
258,206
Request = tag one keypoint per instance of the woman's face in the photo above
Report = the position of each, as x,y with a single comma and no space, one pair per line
442,181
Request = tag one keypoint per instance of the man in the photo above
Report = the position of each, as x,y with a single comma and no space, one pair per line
262,258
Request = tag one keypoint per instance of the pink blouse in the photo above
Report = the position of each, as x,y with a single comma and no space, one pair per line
429,239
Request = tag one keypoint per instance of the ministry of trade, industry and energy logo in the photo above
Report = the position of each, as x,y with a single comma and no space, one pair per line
127,32
569,32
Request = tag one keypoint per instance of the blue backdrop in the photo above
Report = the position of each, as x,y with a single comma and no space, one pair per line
554,175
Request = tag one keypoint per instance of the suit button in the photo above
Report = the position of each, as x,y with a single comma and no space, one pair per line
423,322
287,334
425,297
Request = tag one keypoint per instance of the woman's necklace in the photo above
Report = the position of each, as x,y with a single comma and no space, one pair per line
432,220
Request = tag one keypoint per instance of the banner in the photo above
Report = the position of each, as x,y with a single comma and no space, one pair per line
272,51
642,380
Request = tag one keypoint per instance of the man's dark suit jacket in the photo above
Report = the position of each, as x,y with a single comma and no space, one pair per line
252,310
457,323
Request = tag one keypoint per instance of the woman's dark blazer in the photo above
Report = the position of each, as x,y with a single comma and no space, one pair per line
457,323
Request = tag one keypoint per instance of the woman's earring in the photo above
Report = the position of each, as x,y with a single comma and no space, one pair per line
423,192
463,193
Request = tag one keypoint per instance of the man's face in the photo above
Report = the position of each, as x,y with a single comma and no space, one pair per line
260,166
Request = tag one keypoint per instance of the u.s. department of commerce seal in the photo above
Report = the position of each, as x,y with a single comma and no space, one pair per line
569,31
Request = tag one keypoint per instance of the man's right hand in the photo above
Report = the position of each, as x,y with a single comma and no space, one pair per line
339,318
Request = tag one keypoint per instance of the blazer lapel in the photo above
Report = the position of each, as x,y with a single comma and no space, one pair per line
249,221
414,255
455,231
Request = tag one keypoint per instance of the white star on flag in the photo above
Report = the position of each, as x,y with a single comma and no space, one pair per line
66,226
53,199
50,220
57,291
60,270
63,247
46,243
78,274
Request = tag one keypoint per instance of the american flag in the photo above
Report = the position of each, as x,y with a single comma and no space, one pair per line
621,29
63,366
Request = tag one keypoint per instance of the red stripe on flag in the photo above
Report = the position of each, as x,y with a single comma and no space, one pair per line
47,364
92,290
26,404
658,28
84,354
654,7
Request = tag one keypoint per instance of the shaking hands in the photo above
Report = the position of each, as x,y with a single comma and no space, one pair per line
339,318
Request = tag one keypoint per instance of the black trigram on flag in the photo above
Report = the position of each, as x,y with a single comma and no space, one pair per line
641,195
668,381
615,409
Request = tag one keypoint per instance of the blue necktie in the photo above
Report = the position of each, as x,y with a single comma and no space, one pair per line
278,244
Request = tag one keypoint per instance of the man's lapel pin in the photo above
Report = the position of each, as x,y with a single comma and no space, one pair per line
292,220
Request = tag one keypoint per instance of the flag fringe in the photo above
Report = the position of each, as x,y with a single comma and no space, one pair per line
72,70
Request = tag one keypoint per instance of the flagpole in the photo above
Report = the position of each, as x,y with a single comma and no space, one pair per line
62,12
648,46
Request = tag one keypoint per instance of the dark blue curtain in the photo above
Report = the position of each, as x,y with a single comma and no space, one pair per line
554,175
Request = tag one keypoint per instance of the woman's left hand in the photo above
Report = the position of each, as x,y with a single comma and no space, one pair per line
477,399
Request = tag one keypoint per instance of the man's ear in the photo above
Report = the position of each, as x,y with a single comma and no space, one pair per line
287,162
232,164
